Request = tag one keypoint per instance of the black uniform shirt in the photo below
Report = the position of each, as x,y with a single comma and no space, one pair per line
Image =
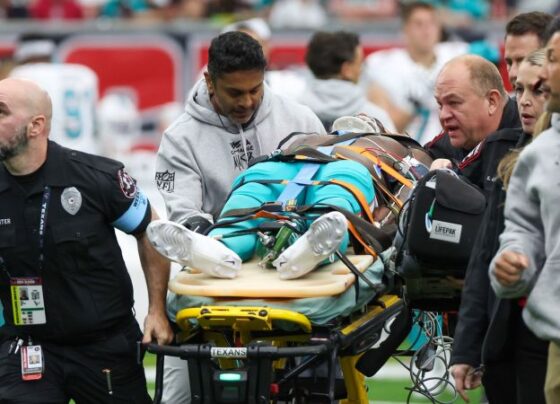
87,289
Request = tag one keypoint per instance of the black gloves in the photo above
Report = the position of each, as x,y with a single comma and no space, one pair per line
197,224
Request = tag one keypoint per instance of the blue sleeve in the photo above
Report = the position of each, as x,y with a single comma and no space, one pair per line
137,216
127,207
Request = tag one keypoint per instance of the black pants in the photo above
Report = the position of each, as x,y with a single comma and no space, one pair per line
519,380
77,372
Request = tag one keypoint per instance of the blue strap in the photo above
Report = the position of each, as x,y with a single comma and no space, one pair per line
296,185
305,175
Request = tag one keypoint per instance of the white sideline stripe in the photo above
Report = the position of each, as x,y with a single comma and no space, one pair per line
391,371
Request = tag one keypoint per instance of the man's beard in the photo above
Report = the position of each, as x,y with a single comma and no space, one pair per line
14,146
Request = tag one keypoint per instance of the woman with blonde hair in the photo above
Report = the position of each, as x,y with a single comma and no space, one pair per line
492,344
531,126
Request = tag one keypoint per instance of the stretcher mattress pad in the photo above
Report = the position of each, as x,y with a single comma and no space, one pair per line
256,282
319,310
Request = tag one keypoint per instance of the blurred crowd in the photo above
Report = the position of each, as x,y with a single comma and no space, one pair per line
279,13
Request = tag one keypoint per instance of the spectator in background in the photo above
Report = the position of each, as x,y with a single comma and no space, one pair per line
401,81
73,89
524,34
335,59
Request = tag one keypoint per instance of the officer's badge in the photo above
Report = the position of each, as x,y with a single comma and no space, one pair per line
71,200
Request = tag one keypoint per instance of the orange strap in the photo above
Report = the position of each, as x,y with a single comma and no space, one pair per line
357,236
376,160
358,195
269,215
379,185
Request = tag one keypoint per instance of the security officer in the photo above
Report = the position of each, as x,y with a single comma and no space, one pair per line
70,331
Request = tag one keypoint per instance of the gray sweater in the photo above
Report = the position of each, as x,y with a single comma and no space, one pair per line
202,152
333,98
532,219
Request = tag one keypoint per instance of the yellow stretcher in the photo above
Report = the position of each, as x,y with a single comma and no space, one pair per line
267,353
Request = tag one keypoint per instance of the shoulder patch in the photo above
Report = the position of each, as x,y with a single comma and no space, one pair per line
127,183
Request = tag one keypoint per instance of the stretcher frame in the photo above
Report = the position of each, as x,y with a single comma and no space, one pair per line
271,361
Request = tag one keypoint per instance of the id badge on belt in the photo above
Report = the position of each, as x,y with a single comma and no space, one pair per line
28,304
32,364
31,357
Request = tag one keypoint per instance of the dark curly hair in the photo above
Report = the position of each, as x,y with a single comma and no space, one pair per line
232,52
327,51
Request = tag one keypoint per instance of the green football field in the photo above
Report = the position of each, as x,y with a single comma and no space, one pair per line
393,392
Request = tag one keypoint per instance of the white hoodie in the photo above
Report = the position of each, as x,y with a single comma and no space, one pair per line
202,152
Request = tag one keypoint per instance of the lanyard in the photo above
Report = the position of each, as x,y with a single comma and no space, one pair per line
43,225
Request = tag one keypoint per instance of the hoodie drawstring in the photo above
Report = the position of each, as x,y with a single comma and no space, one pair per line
244,143
258,147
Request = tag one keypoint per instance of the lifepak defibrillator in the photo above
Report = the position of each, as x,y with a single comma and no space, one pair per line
439,227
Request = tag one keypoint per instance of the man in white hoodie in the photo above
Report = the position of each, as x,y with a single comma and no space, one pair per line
231,117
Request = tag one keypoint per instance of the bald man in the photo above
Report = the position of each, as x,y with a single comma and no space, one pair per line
70,332
473,105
